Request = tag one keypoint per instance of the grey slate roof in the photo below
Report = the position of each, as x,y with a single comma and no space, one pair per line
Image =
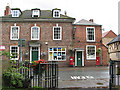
116,39
45,15
86,22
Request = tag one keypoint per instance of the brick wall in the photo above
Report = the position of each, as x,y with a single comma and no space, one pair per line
81,42
110,34
46,35
105,58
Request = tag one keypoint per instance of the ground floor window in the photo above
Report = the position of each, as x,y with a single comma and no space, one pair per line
91,52
14,52
57,54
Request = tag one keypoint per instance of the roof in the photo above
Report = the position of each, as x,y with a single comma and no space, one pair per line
116,39
105,33
44,15
108,32
86,22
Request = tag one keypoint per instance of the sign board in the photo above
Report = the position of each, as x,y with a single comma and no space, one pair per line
2,48
21,42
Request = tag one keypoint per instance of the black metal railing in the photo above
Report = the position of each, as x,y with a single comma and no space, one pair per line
46,79
114,71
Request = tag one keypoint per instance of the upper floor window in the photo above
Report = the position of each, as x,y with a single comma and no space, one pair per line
14,33
14,52
90,31
36,13
16,12
35,33
56,13
57,33
91,51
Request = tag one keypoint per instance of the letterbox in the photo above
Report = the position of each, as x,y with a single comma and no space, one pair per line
71,61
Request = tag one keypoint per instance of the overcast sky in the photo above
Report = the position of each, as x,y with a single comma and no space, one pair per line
104,12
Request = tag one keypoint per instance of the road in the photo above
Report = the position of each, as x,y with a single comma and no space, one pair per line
83,77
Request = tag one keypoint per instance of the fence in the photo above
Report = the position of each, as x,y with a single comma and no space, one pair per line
46,79
114,74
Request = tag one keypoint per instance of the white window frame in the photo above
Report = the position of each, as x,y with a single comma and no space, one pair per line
11,33
38,13
14,11
38,33
17,52
87,34
87,52
58,14
57,52
60,32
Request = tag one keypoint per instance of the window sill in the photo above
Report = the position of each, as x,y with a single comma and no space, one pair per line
14,39
91,58
34,39
56,60
90,41
56,39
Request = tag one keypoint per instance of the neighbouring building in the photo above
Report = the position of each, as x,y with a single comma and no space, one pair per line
52,36
107,37
114,48
87,40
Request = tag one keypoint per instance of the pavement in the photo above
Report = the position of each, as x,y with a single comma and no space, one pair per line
84,77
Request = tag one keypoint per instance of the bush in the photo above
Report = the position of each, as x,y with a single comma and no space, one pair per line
12,78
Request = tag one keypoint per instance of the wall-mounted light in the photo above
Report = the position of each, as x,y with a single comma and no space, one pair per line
46,43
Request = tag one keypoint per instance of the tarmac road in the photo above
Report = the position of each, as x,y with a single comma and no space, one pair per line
83,77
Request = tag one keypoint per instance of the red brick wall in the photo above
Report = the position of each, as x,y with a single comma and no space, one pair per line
111,34
81,42
46,35
104,56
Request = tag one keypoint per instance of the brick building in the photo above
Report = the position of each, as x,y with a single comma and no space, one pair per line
88,39
107,37
51,35
47,34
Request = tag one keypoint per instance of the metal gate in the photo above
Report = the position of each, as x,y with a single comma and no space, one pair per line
48,79
114,74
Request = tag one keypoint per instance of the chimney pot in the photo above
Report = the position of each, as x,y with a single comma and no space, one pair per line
65,13
91,20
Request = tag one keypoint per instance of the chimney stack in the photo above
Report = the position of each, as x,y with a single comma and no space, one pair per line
7,10
91,20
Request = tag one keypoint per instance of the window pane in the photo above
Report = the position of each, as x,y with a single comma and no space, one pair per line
91,52
63,49
14,52
90,33
55,49
57,54
59,49
14,33
50,49
50,55
35,33
57,33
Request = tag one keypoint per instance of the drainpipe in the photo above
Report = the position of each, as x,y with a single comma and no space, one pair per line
101,53
107,56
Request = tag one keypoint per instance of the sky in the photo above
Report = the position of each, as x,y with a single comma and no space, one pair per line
104,12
